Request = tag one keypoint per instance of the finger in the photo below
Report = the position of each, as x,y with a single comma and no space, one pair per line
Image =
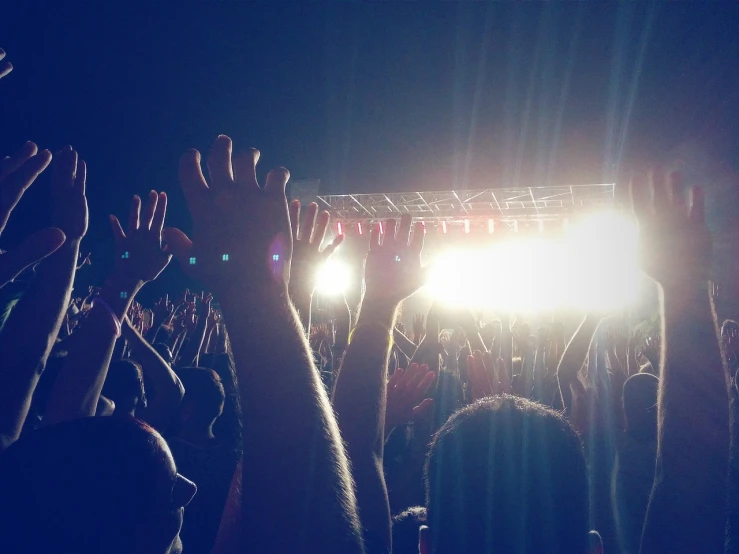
293,211
5,68
658,185
176,243
31,250
404,230
309,222
133,214
277,180
375,237
697,205
80,180
245,167
419,235
395,378
157,223
641,204
676,192
423,407
147,214
65,169
425,384
192,179
219,162
418,376
10,163
319,231
13,187
118,235
334,245
410,374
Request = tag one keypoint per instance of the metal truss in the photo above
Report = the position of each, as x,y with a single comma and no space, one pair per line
503,205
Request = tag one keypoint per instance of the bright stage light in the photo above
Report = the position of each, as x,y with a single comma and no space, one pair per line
333,277
592,266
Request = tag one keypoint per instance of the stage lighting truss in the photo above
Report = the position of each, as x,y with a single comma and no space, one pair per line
504,206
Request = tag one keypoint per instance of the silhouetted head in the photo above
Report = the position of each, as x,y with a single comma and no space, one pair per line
405,530
124,385
640,405
506,475
91,485
204,396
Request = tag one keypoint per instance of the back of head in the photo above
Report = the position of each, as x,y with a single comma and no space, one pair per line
204,394
81,486
405,530
124,385
640,405
507,475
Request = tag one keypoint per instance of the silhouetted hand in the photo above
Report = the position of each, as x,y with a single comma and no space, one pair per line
139,254
482,374
241,231
5,67
163,309
407,395
17,173
676,248
69,203
393,269
308,236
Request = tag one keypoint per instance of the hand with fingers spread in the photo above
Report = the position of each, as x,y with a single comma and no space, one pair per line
407,395
17,173
308,235
140,257
163,309
5,67
393,269
241,230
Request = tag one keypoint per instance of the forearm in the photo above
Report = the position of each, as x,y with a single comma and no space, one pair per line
574,356
190,353
406,345
693,434
77,389
286,411
359,401
302,301
166,384
29,335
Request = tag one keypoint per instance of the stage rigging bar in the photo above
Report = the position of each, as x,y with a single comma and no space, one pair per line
502,205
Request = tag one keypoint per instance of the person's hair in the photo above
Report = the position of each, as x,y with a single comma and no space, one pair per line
507,475
124,385
405,530
640,405
83,486
203,392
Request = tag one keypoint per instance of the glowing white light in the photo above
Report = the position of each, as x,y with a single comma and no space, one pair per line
333,277
592,266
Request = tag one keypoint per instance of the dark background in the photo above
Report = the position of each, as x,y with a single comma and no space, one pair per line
373,96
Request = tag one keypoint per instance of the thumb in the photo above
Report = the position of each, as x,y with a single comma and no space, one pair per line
31,250
177,243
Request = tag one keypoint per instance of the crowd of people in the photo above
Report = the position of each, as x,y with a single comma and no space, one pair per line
227,421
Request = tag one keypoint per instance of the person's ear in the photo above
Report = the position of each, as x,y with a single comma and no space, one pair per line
424,542
595,544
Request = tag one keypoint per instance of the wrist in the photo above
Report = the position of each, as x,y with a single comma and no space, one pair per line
377,310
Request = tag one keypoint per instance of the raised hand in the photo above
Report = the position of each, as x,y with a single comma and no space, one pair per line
308,236
5,67
676,248
140,257
481,370
393,269
69,203
163,309
17,173
407,395
240,229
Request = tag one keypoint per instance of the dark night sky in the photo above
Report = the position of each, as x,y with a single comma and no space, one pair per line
368,97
